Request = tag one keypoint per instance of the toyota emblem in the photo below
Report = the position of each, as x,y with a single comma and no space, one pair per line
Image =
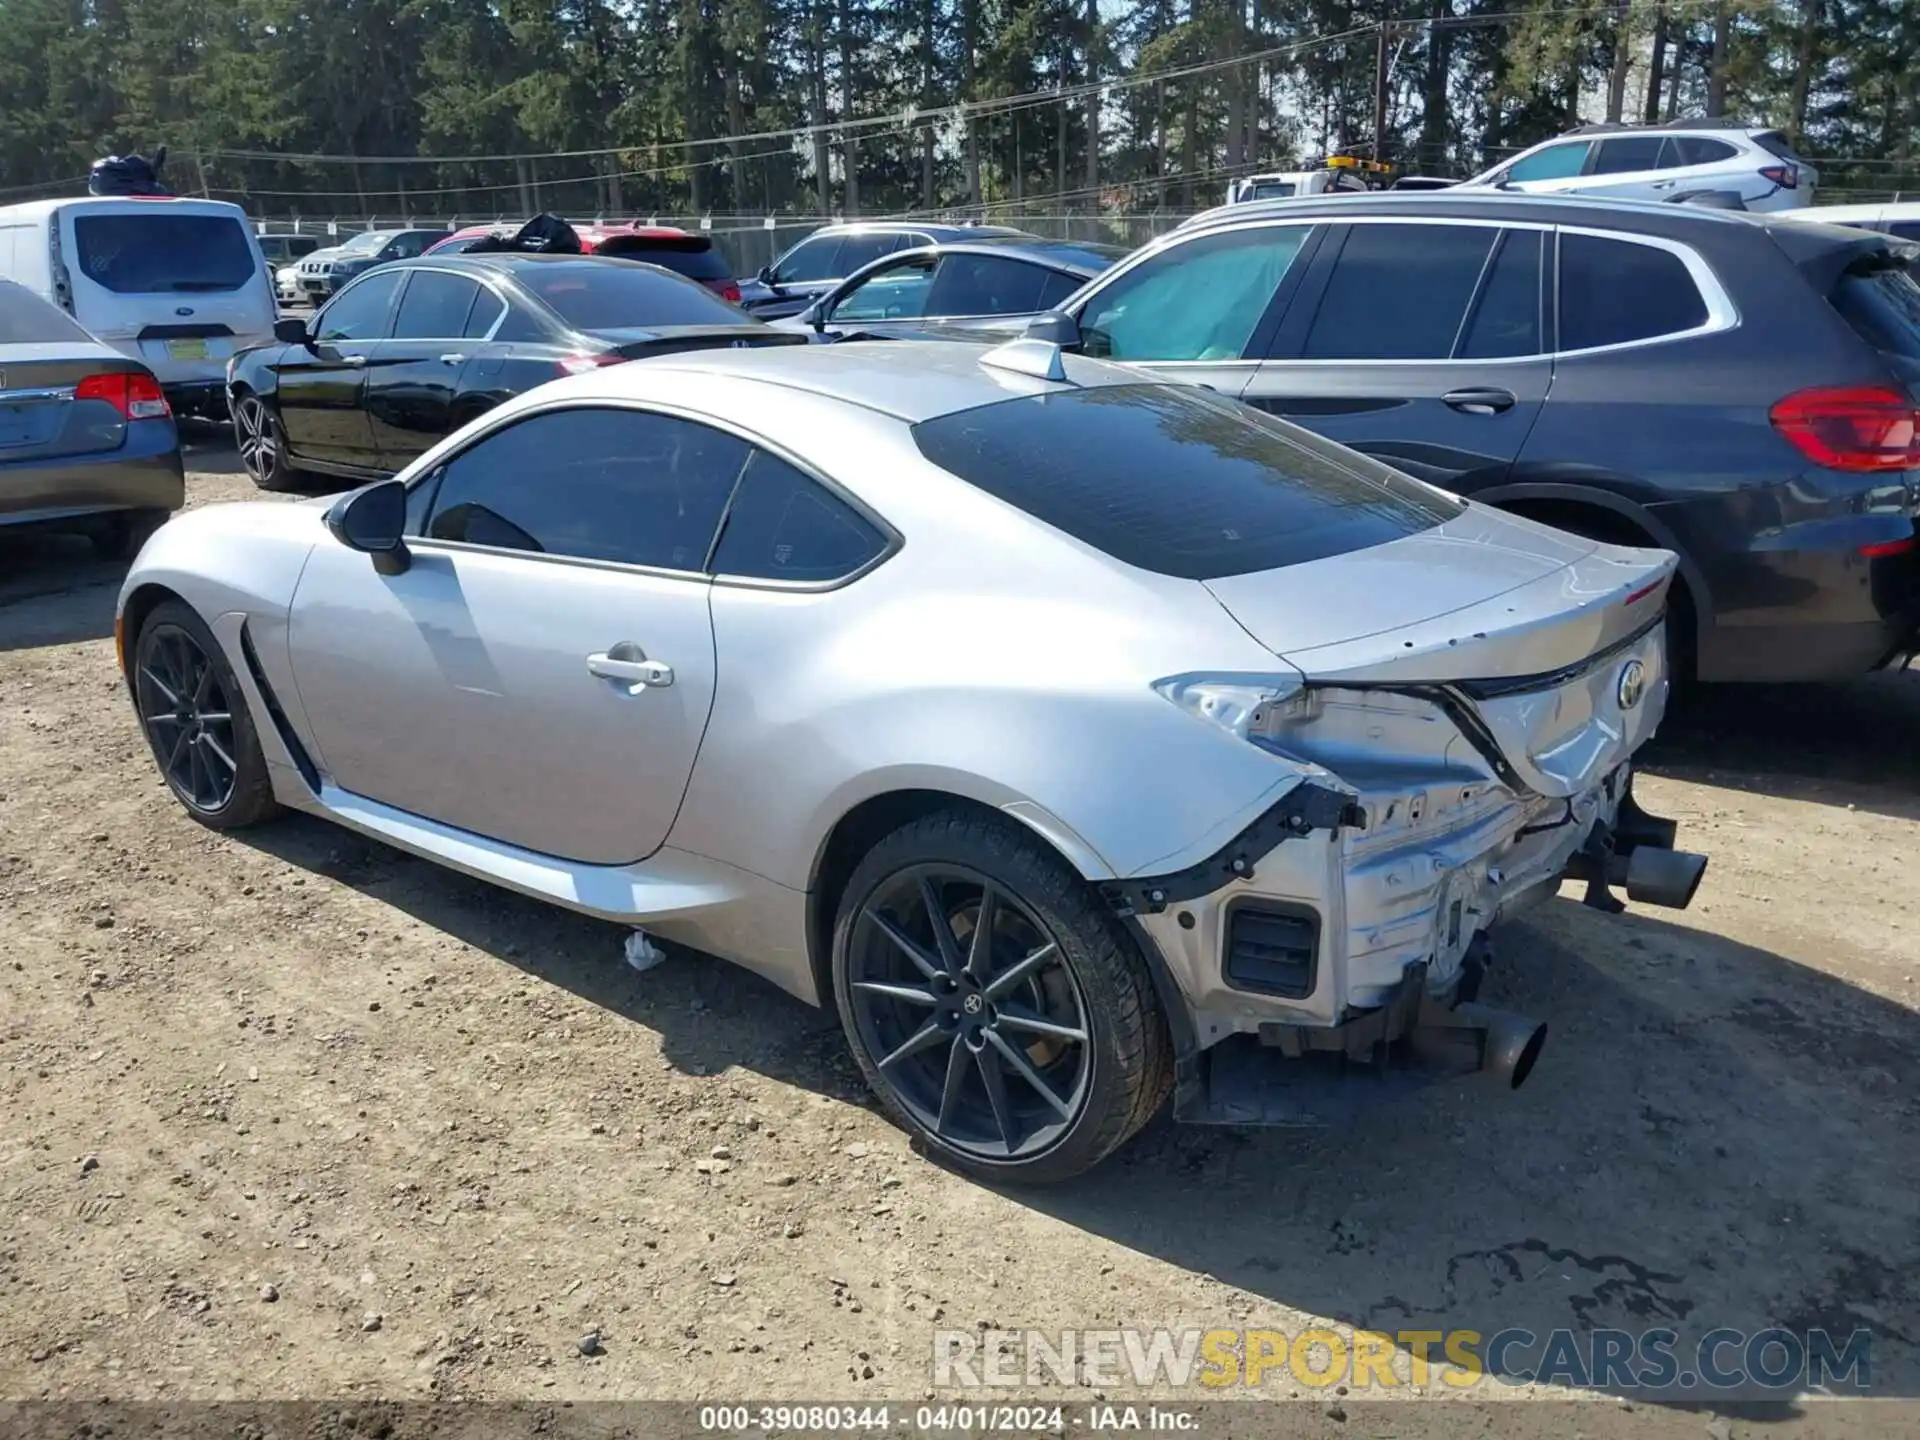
973,1004
1632,685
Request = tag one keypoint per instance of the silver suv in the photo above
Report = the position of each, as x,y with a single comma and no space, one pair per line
1662,162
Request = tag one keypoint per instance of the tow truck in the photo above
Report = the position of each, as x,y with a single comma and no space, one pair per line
1337,174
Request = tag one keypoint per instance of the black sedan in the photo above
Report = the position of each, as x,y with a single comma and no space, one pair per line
993,284
87,442
414,350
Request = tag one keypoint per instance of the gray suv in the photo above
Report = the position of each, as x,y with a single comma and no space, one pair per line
1741,389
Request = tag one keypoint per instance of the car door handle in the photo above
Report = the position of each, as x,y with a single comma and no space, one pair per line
633,668
354,362
1479,402
452,359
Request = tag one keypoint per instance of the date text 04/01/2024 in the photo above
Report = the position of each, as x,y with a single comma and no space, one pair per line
940,1419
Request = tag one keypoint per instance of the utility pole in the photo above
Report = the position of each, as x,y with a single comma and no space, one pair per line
1380,90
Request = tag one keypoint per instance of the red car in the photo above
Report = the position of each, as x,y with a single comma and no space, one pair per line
680,251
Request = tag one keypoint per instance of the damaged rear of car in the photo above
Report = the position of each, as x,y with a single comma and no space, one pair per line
1459,693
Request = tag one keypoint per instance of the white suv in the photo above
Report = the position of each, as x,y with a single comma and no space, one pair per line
1662,162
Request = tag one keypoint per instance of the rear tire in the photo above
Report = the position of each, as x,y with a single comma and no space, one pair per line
195,717
1024,1054
262,441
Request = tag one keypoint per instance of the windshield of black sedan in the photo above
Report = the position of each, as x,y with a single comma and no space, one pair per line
1176,480
611,294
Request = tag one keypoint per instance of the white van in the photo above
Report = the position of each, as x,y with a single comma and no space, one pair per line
178,284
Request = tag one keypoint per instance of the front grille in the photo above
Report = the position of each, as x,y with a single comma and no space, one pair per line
1271,948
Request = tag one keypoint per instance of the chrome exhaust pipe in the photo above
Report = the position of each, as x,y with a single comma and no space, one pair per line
1664,877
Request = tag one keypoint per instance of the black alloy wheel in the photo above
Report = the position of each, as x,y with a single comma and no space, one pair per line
964,998
195,719
994,1003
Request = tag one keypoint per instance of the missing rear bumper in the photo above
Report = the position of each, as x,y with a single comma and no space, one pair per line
1636,853
1299,1076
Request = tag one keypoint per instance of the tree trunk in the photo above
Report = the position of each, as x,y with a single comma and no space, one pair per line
1160,138
817,105
1673,79
1436,124
850,143
929,59
1720,62
1190,142
1060,152
1805,56
1657,67
1092,23
1622,62
969,42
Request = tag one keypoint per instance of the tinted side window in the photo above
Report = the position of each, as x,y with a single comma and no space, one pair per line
362,310
1615,291
434,306
599,484
857,251
1556,162
1055,288
1506,316
897,293
784,526
1698,150
1882,303
486,310
1905,229
985,285
811,260
1629,153
1197,301
1399,292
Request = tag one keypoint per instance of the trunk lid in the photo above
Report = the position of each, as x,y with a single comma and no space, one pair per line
39,417
1537,642
634,343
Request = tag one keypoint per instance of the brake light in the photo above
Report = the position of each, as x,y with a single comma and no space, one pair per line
1852,427
727,290
136,396
580,364
1643,592
1787,177
1886,548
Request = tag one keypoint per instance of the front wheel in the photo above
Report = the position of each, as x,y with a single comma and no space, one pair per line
195,718
263,445
996,1008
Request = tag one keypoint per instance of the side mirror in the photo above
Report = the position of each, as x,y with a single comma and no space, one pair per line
1056,327
764,275
817,317
291,332
373,520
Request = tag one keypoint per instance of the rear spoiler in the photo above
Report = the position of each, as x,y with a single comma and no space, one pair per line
673,339
1824,252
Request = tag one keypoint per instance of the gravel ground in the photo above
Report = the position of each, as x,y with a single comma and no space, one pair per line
289,1114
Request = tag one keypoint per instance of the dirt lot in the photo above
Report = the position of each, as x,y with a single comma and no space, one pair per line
294,1059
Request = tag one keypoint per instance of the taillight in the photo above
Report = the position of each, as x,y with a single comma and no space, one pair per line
134,395
1787,177
728,291
580,364
1888,547
1852,427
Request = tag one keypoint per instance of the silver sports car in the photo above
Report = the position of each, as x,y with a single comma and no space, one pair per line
1082,737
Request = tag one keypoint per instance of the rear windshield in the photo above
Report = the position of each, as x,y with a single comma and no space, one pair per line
154,251
693,257
1881,300
1775,144
26,319
1175,480
620,295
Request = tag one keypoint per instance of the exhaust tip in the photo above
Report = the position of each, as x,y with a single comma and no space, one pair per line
1523,1063
1664,877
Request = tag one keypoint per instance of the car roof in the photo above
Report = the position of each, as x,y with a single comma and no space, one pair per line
944,228
1088,259
910,380
1463,203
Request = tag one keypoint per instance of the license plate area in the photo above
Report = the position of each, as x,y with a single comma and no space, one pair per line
187,350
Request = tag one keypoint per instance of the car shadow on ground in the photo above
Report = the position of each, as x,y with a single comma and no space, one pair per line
1717,1136
54,590
1846,743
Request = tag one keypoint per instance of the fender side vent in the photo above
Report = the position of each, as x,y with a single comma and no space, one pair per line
1272,949
308,771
